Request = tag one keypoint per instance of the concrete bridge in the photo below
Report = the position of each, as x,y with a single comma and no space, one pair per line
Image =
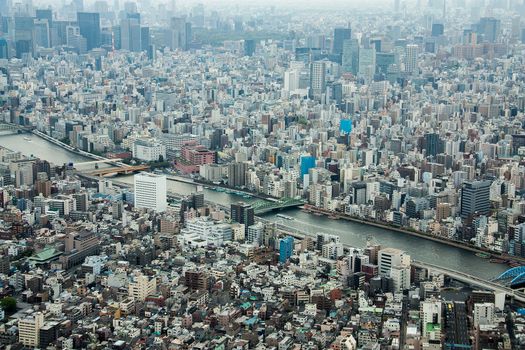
4,126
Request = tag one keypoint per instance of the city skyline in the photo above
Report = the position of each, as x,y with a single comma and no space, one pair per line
296,175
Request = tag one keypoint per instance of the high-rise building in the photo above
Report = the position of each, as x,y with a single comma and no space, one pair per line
285,248
42,33
89,24
411,52
24,36
489,29
178,36
145,38
350,60
237,174
249,47
340,35
150,191
433,144
255,233
243,214
367,63
130,33
389,257
291,80
438,29
475,198
317,79
307,163
29,329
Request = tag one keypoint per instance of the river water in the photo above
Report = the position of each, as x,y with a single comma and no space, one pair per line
351,233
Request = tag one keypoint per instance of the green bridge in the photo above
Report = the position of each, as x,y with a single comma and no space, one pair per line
263,206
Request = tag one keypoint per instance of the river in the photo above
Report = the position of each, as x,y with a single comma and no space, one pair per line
351,233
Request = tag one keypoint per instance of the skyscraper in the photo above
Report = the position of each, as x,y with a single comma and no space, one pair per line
178,39
317,79
150,191
367,63
433,144
350,59
89,24
249,47
475,198
24,35
130,33
411,58
340,35
243,214
489,28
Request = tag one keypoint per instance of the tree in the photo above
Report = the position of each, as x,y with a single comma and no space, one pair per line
8,304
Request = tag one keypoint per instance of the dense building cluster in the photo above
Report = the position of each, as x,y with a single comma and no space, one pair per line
413,119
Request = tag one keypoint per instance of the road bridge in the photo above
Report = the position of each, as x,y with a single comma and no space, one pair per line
117,170
264,206
4,126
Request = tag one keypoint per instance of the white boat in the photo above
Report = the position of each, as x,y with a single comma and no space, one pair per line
282,216
27,139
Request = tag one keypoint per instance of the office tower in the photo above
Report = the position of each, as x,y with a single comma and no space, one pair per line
249,47
475,198
489,28
317,79
383,61
307,162
150,191
243,214
340,35
46,15
42,33
367,63
4,48
433,144
285,248
24,36
178,37
75,40
189,36
29,329
389,257
130,33
438,29
411,58
89,25
291,80
350,61
145,38
151,52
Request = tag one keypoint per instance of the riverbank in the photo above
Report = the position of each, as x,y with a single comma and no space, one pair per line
443,240
454,274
